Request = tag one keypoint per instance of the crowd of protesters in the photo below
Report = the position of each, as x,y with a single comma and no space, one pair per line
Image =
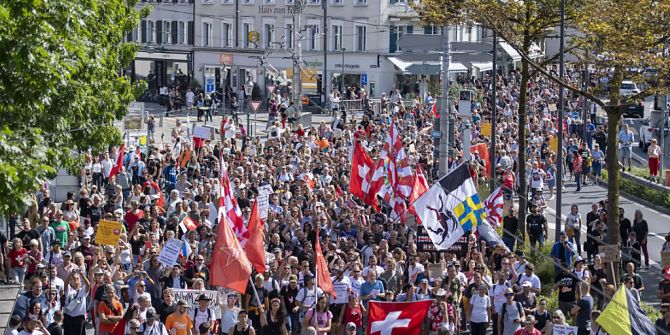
72,283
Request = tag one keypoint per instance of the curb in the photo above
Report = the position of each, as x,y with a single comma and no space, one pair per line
641,201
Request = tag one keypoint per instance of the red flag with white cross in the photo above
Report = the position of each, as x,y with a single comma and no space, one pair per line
396,318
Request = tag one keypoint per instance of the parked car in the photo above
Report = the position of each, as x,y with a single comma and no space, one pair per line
635,109
628,88
651,128
646,134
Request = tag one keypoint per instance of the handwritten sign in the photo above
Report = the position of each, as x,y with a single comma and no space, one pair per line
202,132
108,233
264,200
191,298
565,330
486,129
170,252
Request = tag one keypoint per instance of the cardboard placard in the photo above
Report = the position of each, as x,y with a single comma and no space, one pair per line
609,253
565,330
436,270
665,258
170,252
485,129
202,132
108,233
553,144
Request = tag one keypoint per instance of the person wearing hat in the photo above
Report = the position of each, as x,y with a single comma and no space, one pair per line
179,322
439,313
510,314
528,327
526,297
350,329
580,271
202,313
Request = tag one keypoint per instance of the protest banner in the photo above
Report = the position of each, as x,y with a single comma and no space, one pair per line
565,330
191,296
264,200
170,253
108,233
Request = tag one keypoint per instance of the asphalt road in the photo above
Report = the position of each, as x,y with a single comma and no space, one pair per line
659,226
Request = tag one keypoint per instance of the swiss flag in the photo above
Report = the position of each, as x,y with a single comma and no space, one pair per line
361,173
118,165
396,318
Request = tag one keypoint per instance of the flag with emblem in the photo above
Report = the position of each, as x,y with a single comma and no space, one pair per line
255,247
396,318
230,266
493,205
450,208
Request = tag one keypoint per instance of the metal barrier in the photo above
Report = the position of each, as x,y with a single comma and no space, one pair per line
352,105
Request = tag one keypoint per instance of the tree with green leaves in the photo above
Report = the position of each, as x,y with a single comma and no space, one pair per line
61,87
521,24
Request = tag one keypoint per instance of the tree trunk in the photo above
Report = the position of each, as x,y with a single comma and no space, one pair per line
523,185
613,174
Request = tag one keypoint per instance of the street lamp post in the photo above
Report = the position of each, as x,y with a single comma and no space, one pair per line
342,73
559,161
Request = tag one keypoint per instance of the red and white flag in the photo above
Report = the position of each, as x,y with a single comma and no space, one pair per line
229,209
118,163
361,173
419,188
493,206
396,318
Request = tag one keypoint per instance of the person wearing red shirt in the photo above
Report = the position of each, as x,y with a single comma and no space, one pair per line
17,261
528,327
133,215
352,312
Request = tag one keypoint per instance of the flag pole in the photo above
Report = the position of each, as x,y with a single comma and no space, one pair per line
253,287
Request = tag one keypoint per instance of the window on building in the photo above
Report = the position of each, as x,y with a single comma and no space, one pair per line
269,2
336,33
313,37
288,35
431,30
337,2
361,2
314,2
181,32
361,38
206,34
268,31
151,31
167,32
226,1
226,34
246,29
289,2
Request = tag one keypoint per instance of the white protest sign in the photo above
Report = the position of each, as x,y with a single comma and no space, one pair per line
202,132
564,330
170,253
191,296
264,200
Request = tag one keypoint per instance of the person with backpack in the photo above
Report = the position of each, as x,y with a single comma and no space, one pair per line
152,325
202,314
510,314
307,296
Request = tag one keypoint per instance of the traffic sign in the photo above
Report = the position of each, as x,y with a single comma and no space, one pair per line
574,115
271,88
574,104
364,79
209,86
255,105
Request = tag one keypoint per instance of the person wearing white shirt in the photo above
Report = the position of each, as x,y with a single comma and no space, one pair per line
529,276
414,269
480,311
202,313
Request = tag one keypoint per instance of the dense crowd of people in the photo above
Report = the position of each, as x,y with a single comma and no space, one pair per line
72,282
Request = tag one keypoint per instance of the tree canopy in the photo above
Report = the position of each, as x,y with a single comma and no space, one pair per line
61,86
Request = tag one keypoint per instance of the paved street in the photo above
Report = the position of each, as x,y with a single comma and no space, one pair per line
658,226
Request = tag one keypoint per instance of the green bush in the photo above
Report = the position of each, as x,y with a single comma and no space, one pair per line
544,266
655,197
652,312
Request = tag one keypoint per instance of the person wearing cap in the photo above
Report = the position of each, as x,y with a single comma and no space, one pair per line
580,271
526,297
528,327
510,314
562,251
202,313
179,322
350,329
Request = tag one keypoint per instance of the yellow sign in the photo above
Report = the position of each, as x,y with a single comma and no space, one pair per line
108,233
486,129
307,77
553,144
143,140
253,36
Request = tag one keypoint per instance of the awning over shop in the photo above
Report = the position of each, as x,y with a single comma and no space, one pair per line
509,50
488,66
424,67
